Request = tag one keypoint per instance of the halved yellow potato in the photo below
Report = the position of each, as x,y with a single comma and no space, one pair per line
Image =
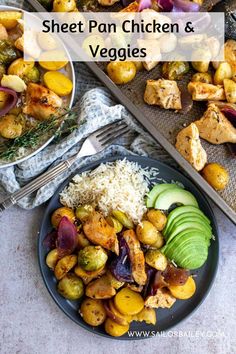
9,18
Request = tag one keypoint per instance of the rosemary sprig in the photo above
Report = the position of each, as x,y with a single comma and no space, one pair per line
32,137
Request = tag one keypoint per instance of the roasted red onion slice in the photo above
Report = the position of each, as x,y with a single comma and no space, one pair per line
166,5
121,266
144,4
175,276
67,236
50,240
185,6
11,102
230,114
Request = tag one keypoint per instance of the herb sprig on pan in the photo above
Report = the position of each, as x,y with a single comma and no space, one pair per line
34,136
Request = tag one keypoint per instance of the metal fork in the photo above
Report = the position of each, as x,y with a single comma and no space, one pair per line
93,144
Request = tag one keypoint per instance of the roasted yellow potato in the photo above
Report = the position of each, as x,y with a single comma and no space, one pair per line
64,5
230,90
183,292
128,302
216,175
157,218
10,127
64,265
201,66
71,287
147,315
52,258
156,259
93,312
3,33
87,276
9,18
115,329
122,319
223,71
114,282
147,233
59,213
46,60
202,77
58,83
46,41
20,67
121,72
160,241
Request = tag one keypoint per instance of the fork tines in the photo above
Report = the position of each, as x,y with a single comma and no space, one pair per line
111,132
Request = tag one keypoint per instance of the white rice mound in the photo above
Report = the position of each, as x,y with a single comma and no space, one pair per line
120,185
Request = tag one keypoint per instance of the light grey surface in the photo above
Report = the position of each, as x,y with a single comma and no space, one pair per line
31,323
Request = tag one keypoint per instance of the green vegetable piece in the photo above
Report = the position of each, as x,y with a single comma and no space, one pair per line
156,191
177,196
175,70
123,219
8,52
92,258
71,287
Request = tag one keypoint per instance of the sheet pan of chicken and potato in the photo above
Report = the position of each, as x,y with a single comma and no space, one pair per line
191,104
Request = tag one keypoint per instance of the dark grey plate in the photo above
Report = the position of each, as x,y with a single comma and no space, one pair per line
166,318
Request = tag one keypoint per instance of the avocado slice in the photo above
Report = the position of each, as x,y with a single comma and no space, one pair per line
175,196
182,210
156,190
186,218
195,225
189,251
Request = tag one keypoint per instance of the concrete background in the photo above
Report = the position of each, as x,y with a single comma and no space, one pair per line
31,323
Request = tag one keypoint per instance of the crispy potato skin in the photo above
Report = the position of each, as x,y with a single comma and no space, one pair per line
64,265
93,312
216,175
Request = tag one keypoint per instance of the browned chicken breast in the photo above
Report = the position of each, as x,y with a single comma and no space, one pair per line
201,91
87,276
100,288
162,299
136,257
99,232
163,93
41,102
189,146
215,127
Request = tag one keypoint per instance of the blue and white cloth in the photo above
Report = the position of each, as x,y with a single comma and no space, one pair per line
97,108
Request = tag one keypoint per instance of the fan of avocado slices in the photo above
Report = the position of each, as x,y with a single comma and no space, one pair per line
188,231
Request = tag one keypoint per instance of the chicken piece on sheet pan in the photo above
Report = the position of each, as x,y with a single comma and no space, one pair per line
41,102
162,299
163,93
202,91
136,257
215,127
99,232
189,146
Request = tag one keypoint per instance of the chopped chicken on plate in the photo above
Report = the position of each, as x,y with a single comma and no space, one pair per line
100,288
189,146
202,91
41,102
215,127
136,257
162,299
163,93
99,232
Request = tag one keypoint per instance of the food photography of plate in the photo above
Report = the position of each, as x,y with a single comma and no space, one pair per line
117,176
